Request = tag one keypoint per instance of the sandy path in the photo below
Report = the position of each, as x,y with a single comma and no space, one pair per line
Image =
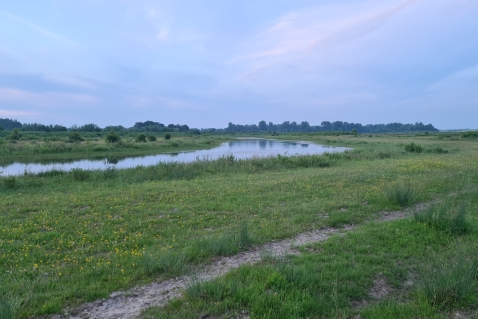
128,304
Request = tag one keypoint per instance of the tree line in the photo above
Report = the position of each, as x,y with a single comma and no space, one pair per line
262,126
10,124
326,126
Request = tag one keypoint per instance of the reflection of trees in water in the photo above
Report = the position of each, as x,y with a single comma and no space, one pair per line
263,144
112,160
304,145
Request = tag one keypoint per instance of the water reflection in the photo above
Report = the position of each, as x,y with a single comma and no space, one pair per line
240,149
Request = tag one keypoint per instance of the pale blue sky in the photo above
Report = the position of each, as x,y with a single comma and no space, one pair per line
206,63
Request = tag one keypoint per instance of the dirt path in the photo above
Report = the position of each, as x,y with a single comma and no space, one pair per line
128,304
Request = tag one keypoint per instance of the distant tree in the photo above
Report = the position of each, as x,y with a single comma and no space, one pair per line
112,137
263,126
74,137
167,136
10,124
89,128
1,128
15,134
151,138
141,138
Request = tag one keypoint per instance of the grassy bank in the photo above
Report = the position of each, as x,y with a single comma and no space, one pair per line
72,237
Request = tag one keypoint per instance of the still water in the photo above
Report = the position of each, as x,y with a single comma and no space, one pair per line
240,149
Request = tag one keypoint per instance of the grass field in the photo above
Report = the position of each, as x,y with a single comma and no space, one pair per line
68,238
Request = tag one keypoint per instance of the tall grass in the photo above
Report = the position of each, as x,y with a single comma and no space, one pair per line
446,217
450,282
401,193
6,308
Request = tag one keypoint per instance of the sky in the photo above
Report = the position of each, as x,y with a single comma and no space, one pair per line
210,62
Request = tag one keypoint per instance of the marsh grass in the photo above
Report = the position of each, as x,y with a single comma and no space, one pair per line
446,217
401,193
6,308
78,174
450,282
10,182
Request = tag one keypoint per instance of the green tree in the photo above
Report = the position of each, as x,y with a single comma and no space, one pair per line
112,137
141,138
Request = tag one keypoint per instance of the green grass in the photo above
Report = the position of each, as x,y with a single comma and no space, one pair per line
66,240
428,273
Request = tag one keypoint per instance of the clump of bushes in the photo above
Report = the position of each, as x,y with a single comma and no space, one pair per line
470,134
401,194
413,148
141,138
151,138
446,218
75,137
167,136
112,137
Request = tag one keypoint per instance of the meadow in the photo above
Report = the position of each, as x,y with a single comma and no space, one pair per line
71,237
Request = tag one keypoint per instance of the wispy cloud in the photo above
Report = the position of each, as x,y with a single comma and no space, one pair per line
37,28
301,34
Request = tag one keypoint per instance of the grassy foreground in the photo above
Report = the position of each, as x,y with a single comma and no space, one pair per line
68,238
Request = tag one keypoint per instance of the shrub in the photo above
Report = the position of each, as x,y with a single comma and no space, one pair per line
401,194
15,135
10,182
470,134
175,144
141,138
413,148
74,137
112,137
167,136
79,174
445,217
151,138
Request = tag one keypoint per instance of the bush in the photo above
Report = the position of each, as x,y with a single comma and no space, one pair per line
413,148
470,134
151,138
79,174
15,136
112,137
74,137
141,138
10,182
401,194
167,136
445,217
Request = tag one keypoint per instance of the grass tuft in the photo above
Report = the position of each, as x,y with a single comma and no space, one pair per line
449,282
446,217
401,194
6,308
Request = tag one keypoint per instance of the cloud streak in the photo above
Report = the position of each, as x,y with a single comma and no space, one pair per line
37,28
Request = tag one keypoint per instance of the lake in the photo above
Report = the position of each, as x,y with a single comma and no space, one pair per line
240,149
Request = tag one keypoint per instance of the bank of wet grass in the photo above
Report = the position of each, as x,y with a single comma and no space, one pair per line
66,241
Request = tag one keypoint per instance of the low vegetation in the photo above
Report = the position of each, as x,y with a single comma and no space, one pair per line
77,236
